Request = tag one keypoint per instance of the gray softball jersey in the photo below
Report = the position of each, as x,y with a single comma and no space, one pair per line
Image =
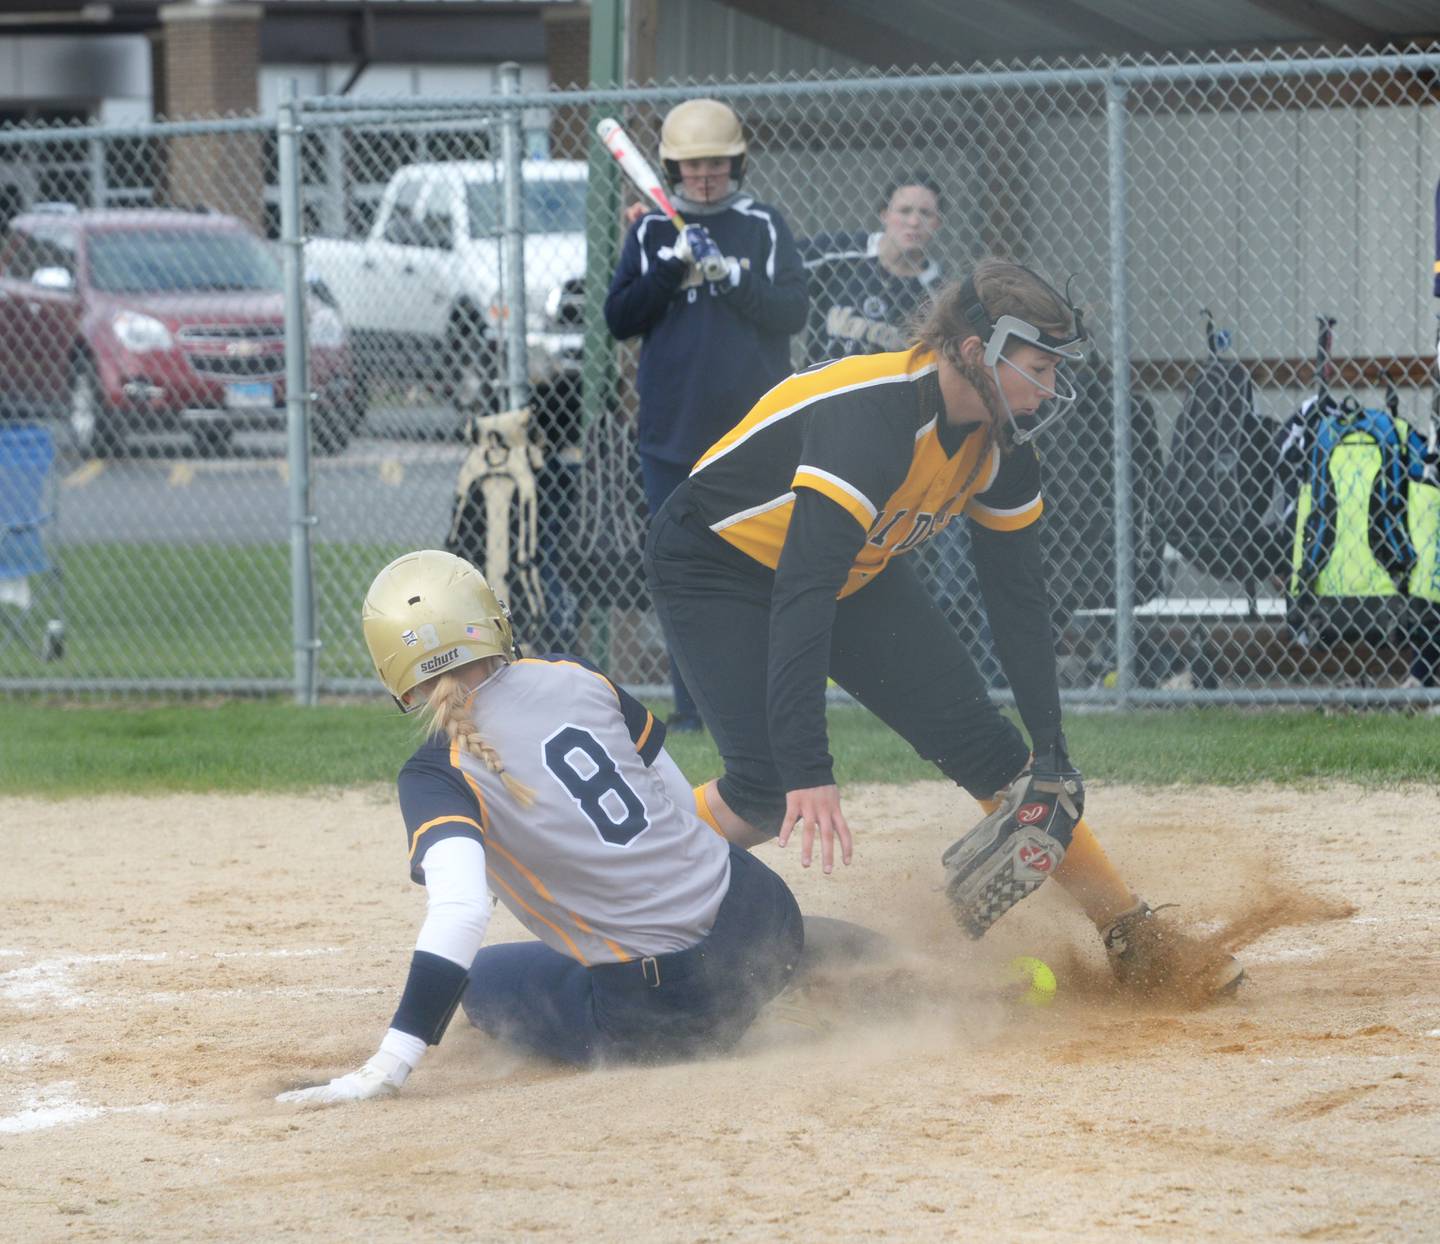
606,866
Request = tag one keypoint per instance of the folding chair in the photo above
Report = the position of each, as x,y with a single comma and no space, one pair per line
31,586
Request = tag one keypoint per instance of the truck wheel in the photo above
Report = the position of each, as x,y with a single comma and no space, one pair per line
212,440
94,431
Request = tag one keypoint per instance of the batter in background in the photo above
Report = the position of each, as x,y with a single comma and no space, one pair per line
863,297
784,559
708,349
547,784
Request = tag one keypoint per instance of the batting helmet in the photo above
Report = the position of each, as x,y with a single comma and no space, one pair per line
702,129
428,613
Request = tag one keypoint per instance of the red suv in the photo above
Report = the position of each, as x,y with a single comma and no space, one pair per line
152,321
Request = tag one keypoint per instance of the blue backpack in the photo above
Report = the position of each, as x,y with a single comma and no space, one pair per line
1352,532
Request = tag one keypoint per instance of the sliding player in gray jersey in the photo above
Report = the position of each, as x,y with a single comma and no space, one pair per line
549,786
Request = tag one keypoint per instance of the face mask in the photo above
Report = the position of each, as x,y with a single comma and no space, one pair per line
998,334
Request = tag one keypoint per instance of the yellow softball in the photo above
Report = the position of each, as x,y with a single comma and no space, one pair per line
1037,979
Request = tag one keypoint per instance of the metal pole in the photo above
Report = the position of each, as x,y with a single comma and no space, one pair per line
332,204
297,398
99,189
602,216
512,152
1117,117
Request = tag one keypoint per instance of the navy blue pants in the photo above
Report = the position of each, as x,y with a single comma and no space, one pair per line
682,1005
661,478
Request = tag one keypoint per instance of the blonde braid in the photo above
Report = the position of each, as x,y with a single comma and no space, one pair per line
448,712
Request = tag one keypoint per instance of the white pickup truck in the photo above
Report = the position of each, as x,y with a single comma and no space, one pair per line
421,296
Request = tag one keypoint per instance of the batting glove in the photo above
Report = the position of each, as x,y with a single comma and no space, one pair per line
695,245
372,1080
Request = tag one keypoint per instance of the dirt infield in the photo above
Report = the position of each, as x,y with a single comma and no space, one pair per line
168,965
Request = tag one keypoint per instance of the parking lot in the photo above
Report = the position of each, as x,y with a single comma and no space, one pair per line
380,489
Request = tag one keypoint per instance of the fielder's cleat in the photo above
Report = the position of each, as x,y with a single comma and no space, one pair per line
1149,954
997,864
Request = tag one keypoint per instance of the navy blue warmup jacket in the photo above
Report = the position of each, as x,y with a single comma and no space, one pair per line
710,351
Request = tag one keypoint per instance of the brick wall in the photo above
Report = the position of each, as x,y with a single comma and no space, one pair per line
211,68
567,57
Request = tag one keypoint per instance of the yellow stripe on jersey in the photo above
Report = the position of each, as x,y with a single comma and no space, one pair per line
584,926
759,532
645,733
549,924
846,496
471,783
441,820
574,665
860,371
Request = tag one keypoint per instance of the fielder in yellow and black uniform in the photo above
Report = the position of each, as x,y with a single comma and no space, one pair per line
782,558
817,494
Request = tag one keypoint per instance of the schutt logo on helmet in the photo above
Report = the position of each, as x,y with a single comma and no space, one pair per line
434,664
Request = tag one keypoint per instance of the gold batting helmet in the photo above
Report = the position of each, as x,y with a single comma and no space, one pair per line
428,613
701,129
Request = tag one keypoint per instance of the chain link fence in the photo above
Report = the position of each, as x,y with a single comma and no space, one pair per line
269,356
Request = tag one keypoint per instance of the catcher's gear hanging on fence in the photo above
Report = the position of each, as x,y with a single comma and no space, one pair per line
496,486
1009,854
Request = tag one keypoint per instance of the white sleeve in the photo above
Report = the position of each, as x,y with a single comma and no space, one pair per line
677,786
457,911
458,903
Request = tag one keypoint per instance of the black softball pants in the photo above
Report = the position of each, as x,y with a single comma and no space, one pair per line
891,648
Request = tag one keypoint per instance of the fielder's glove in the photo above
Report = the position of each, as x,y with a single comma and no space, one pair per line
372,1080
1010,853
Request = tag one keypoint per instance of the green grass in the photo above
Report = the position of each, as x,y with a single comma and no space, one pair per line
176,611
242,746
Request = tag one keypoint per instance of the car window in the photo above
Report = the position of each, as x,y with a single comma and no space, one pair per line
435,217
401,227
181,260
30,253
551,206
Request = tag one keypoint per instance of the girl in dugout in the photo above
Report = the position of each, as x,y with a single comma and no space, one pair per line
780,560
549,785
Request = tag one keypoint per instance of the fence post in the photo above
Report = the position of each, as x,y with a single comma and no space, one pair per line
602,213
1117,118
99,187
512,152
297,398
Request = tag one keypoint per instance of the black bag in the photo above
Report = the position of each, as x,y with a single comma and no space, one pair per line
1078,532
1220,479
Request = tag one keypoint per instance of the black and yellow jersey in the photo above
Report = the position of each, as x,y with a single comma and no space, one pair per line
869,433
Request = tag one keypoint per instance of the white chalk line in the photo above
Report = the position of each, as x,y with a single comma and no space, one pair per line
47,983
56,1105
278,991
